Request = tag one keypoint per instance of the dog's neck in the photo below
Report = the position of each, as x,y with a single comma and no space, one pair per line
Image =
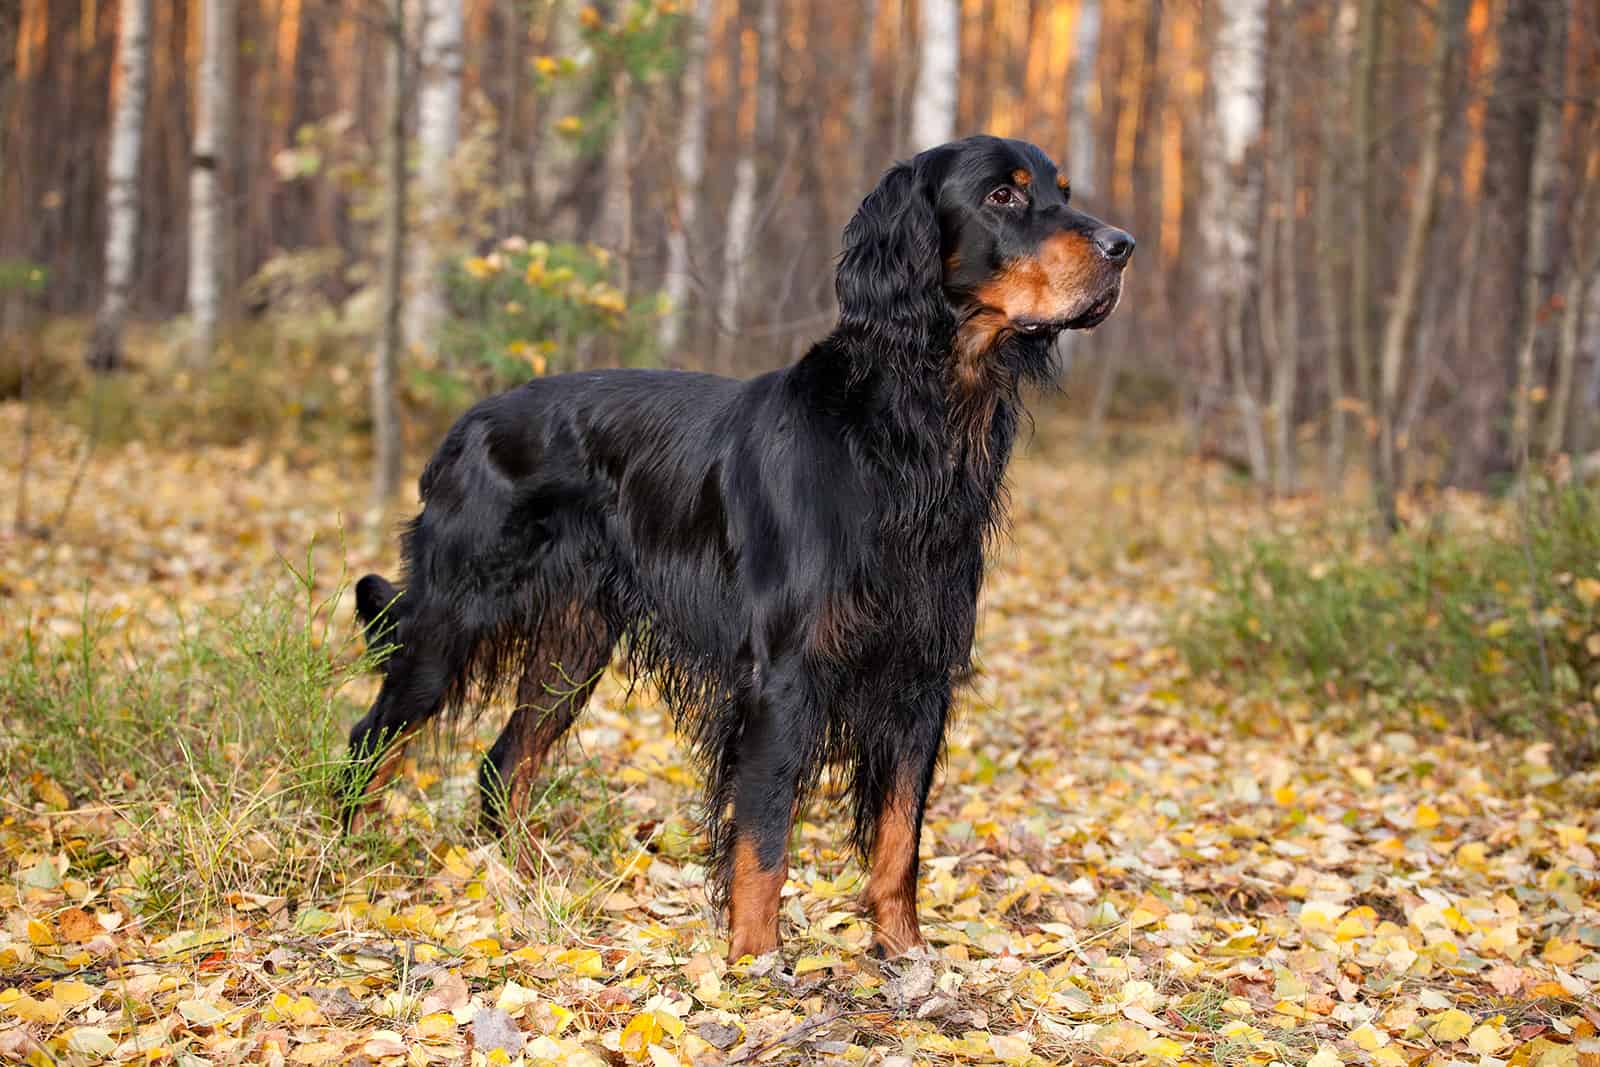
957,385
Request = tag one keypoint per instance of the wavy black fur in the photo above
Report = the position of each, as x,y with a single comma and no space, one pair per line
794,560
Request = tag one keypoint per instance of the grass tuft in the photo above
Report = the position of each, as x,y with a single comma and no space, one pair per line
1448,626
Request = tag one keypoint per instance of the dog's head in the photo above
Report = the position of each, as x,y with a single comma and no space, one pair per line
978,232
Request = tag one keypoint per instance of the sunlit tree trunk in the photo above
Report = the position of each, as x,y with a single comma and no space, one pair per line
1233,189
689,161
210,223
387,441
438,130
122,173
933,107
1402,319
1539,272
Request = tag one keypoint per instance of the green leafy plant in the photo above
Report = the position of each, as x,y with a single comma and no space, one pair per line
1449,628
532,308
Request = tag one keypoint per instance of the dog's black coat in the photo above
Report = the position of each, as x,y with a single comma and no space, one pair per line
793,560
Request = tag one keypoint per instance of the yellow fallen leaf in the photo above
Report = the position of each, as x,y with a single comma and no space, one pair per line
1425,817
381,1043
40,934
584,962
1486,1040
30,1010
439,1024
70,994
808,964
1473,856
1368,1039
1562,953
316,1053
1325,1057
1452,1025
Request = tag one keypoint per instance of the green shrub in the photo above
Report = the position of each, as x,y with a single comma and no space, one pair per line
536,308
1443,627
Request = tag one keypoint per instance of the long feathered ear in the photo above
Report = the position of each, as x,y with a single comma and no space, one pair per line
891,276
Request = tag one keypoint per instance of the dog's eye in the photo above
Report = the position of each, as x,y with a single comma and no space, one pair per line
1005,196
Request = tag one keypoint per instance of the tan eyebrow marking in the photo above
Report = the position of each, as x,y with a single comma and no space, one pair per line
1061,182
1021,177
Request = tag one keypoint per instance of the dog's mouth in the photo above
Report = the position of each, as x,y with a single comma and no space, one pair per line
1087,319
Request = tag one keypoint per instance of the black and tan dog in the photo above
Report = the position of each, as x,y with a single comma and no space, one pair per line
793,560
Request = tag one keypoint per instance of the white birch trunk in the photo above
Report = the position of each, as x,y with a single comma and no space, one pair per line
690,163
387,442
1233,192
933,109
741,215
742,205
438,129
122,174
1082,158
210,239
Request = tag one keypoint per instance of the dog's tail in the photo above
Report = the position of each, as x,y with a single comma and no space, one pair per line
380,610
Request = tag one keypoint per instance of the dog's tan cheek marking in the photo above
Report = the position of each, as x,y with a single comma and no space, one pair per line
1022,178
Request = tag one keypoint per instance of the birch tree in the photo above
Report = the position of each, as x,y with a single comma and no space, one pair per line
933,108
1234,195
122,192
210,228
689,163
387,442
438,130
742,205
1082,158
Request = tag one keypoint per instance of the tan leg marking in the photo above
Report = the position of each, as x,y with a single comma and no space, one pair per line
892,884
753,902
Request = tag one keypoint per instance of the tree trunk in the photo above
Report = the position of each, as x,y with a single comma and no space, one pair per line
388,444
690,163
1539,277
1585,251
1485,450
1332,253
122,174
933,108
1408,283
1286,372
867,153
1363,109
438,130
1233,189
742,205
210,223
1082,157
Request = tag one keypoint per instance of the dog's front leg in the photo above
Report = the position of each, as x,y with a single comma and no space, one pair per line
780,739
904,759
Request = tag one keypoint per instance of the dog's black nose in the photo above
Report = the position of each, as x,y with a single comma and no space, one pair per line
1116,245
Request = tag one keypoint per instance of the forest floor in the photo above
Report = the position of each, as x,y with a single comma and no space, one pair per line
1122,862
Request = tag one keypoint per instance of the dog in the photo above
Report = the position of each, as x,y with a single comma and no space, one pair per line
793,560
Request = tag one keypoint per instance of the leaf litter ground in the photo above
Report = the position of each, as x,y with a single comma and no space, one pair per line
1123,863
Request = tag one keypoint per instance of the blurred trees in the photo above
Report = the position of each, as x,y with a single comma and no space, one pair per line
1362,224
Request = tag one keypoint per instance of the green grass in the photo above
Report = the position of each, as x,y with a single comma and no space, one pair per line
1445,626
208,761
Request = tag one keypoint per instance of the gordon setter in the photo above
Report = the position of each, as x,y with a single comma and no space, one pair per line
793,560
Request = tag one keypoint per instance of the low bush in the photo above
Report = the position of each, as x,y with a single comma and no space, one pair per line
1444,626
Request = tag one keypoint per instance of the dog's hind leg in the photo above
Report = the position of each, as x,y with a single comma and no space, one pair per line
560,672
